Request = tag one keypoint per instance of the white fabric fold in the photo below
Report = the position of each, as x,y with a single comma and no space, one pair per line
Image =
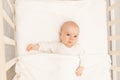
44,66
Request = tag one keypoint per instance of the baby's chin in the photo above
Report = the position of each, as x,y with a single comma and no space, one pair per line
69,45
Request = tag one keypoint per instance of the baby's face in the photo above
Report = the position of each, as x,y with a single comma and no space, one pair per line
69,35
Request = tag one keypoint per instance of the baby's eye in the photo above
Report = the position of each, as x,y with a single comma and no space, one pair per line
68,34
75,36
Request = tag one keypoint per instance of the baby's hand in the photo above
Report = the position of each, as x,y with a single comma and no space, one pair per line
79,71
32,47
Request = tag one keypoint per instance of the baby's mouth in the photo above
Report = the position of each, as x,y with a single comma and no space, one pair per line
69,42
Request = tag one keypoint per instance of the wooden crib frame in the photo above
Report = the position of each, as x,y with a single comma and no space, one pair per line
5,66
113,38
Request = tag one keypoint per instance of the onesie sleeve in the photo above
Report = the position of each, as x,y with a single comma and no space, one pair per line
81,57
47,46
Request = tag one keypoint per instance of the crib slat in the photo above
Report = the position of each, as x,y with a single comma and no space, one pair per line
116,4
2,46
15,77
11,63
11,7
9,41
115,68
116,21
114,52
6,17
114,37
4,39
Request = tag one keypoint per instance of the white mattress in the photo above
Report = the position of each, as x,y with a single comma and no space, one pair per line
61,67
38,20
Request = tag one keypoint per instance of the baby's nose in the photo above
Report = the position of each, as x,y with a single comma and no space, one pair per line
71,38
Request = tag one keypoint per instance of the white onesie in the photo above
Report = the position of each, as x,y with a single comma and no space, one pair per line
60,48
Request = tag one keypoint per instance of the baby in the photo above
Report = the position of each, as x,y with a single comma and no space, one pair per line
68,44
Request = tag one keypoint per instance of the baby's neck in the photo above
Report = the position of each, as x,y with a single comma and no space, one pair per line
67,45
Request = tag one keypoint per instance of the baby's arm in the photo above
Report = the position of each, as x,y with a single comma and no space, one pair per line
79,70
81,66
32,47
43,46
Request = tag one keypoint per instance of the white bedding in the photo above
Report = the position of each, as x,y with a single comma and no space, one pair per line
38,20
38,66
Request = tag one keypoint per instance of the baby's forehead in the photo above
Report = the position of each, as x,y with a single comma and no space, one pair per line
69,24
70,30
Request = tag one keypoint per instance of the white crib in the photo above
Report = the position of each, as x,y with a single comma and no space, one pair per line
8,40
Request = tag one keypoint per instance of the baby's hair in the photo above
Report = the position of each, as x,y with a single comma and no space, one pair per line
69,23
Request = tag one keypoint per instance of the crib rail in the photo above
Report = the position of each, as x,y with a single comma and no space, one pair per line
112,22
113,6
7,41
113,37
16,77
115,68
6,17
117,53
11,6
10,63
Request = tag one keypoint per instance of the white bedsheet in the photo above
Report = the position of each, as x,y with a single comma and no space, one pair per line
61,67
39,20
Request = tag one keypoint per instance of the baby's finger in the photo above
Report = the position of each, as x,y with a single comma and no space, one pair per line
78,73
29,47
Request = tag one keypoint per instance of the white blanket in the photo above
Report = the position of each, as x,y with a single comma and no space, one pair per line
62,67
